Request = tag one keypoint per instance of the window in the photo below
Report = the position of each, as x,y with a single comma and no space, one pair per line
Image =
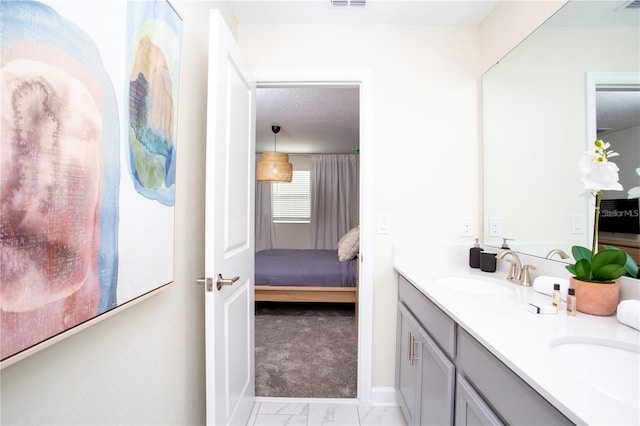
291,202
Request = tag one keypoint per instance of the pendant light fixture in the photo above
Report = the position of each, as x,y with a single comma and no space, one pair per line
274,166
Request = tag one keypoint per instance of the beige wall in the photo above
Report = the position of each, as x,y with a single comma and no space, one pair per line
146,364
425,133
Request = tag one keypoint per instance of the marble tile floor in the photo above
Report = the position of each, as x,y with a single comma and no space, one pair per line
316,412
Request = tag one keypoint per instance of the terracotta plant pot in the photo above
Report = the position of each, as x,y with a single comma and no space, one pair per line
594,298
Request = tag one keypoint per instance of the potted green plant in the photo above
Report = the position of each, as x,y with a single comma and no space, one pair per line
595,272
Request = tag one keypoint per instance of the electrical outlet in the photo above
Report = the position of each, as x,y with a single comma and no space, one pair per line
467,227
495,227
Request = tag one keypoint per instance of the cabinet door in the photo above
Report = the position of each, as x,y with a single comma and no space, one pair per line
437,383
470,408
406,364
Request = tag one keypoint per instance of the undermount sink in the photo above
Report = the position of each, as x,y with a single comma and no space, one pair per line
609,366
475,285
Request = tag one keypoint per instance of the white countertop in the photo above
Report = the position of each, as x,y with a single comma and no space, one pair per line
522,340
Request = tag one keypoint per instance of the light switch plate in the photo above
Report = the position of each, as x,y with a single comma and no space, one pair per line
495,227
577,224
383,224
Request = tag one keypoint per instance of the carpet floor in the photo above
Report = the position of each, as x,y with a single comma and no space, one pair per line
306,350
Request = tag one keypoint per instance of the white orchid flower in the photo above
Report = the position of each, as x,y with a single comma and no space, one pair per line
598,173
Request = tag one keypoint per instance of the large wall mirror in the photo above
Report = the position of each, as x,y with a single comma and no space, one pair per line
538,119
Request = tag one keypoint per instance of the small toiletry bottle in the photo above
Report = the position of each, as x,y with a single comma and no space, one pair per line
474,255
556,296
571,302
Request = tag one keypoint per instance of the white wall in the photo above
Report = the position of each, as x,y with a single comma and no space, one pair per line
425,133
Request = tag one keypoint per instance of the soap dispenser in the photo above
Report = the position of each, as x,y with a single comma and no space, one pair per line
474,255
504,245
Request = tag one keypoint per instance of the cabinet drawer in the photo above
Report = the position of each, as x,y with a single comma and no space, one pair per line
441,328
504,391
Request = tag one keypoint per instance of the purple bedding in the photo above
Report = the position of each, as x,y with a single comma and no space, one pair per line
310,268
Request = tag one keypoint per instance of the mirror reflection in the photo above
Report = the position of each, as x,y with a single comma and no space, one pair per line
539,116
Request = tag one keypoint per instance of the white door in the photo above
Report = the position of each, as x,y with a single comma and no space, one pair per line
229,231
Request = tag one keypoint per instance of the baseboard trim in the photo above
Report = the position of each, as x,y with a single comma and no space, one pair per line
380,397
294,400
384,397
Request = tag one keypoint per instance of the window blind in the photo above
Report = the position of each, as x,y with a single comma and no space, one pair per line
291,202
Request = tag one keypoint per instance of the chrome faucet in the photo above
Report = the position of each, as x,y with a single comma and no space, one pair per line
517,273
559,252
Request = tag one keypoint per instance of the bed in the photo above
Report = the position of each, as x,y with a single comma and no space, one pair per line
313,275
290,275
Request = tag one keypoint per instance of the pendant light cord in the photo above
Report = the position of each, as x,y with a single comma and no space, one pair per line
275,130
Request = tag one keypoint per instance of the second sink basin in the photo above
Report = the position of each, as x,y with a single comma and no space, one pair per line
474,285
609,366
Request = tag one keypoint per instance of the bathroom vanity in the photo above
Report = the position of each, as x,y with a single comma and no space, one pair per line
469,352
433,372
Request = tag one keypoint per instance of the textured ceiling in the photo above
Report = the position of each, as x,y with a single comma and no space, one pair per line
617,109
312,119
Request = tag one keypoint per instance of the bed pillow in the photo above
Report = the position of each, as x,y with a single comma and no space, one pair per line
349,244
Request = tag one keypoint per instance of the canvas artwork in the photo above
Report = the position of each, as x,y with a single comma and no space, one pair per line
87,161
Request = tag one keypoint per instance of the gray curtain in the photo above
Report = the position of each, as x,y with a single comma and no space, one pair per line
334,198
265,230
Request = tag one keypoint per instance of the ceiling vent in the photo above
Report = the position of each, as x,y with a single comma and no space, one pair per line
346,3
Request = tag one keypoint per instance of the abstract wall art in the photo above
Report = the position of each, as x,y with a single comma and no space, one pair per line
87,163
153,54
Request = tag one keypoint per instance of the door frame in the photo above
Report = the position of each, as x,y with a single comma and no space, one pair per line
364,80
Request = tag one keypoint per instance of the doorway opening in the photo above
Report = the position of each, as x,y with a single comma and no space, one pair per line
297,235
613,114
613,108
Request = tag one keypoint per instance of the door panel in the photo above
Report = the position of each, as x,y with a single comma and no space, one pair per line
229,229
240,142
237,315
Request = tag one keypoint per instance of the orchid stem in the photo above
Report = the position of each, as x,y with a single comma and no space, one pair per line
594,246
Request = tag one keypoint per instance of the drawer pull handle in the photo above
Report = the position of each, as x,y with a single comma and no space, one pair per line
412,349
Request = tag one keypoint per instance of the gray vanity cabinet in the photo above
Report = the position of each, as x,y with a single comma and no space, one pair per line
425,376
439,363
406,366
